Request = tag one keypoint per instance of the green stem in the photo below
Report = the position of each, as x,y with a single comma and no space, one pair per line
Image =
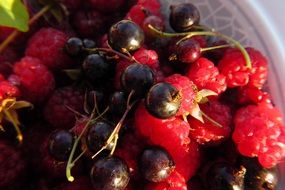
206,33
15,33
215,47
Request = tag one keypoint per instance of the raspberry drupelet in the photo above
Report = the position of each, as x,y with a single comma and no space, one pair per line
259,132
205,75
36,81
47,44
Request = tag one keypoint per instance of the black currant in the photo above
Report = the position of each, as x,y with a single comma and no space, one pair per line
156,164
163,100
97,135
87,43
95,97
95,67
110,173
125,35
60,144
257,177
137,77
73,46
118,103
187,51
224,176
183,17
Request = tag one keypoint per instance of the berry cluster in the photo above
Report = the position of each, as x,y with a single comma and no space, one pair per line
109,99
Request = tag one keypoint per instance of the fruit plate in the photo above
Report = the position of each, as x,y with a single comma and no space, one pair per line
247,22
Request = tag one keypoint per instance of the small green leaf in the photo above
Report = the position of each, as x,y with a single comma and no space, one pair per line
14,14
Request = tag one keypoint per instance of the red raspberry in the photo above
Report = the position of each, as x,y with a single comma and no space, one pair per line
208,132
174,182
252,95
89,23
259,132
47,44
172,134
137,14
205,75
233,67
80,183
7,90
37,82
12,165
187,90
56,111
151,5
148,57
107,6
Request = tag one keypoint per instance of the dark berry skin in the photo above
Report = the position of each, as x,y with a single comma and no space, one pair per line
118,103
87,43
154,21
97,135
183,17
95,97
95,67
223,176
137,77
257,177
125,35
163,100
187,51
156,164
110,173
60,144
73,46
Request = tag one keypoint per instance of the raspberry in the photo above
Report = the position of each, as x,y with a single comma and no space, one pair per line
148,57
259,132
174,182
37,82
47,44
233,67
107,6
11,165
56,111
208,132
252,95
82,182
136,14
172,134
89,24
205,75
151,5
7,90
187,90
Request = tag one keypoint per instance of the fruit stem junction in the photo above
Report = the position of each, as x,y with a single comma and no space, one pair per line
205,33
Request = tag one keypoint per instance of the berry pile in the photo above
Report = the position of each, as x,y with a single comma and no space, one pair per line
108,99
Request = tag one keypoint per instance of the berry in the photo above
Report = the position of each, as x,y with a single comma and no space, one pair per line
125,35
205,75
156,22
73,46
37,82
232,65
89,23
257,177
259,132
60,144
138,78
82,182
163,100
107,6
110,173
186,51
7,90
47,44
88,43
12,165
120,67
208,132
156,164
56,111
95,67
147,57
7,57
118,104
137,14
183,17
187,91
252,95
153,6
97,135
222,175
